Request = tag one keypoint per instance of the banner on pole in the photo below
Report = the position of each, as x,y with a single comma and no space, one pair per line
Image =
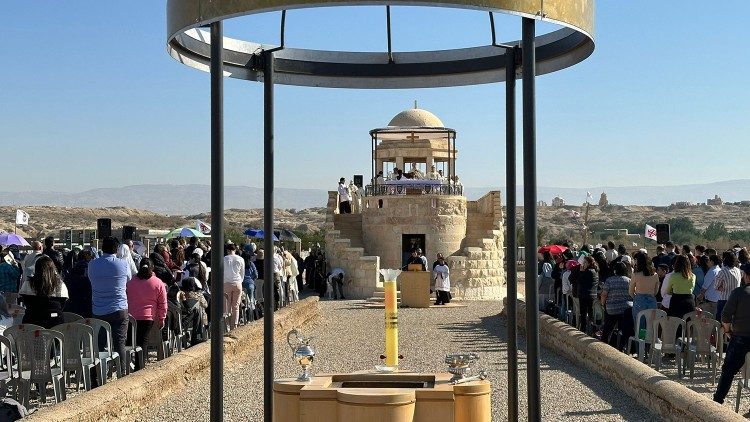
22,218
650,233
202,227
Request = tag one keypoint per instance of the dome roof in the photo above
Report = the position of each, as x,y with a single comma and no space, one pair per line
415,117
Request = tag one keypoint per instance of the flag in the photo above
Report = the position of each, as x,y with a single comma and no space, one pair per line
202,227
588,195
650,233
22,218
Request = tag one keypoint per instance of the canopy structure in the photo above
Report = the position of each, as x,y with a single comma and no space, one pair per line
184,232
557,50
191,45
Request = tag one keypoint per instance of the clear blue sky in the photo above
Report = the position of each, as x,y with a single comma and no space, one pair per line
89,98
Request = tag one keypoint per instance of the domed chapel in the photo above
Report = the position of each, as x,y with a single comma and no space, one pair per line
415,200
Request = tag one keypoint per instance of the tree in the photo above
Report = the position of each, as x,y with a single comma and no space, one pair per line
715,230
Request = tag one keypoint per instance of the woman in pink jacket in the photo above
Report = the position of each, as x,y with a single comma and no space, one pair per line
147,302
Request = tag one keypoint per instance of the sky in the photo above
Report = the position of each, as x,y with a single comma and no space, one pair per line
90,98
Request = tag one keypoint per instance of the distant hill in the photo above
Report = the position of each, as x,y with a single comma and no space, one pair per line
168,199
195,199
729,191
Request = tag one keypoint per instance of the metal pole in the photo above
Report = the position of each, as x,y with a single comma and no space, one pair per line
388,31
510,181
530,227
217,223
268,283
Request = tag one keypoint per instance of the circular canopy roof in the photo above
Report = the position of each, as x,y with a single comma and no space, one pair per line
415,117
465,66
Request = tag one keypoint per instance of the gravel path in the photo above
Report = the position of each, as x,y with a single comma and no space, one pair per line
349,337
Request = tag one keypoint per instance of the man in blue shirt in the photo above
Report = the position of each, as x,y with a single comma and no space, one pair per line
109,301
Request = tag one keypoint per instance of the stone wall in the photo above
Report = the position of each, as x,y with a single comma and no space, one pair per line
477,271
441,218
131,394
668,399
361,271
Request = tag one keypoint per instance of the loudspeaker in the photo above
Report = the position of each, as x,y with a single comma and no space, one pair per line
103,228
358,180
662,233
128,233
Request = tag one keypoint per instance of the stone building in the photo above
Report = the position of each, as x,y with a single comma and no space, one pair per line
603,201
716,201
425,208
558,202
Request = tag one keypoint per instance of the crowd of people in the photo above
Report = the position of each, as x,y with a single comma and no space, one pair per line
676,280
115,282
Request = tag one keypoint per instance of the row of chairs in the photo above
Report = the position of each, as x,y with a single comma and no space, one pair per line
696,335
35,355
75,353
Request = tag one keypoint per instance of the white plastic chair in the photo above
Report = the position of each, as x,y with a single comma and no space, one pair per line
108,356
157,341
6,372
38,346
700,330
742,383
667,341
134,352
71,317
651,315
79,355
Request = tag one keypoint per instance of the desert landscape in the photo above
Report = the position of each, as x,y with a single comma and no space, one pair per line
555,223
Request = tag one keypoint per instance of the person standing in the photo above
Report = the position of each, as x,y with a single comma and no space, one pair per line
588,282
441,275
147,302
680,285
735,319
611,252
79,286
10,274
234,273
727,279
55,255
708,294
109,300
345,199
44,295
615,301
30,260
643,286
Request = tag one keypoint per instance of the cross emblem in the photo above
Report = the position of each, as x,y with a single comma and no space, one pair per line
651,233
412,137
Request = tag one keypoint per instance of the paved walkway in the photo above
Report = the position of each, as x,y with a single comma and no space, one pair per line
349,337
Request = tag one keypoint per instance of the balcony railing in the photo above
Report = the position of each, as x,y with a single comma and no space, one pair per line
413,189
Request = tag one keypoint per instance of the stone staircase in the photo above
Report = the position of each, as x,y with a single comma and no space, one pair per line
478,265
344,247
349,227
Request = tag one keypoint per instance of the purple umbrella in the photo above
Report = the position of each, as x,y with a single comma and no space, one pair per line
7,239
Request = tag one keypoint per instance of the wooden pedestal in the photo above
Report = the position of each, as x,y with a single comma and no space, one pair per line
415,289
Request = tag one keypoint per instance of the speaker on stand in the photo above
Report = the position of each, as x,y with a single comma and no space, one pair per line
103,228
128,233
662,233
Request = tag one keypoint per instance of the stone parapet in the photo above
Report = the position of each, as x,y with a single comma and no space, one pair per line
131,394
668,399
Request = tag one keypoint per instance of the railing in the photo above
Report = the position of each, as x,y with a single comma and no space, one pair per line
413,189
